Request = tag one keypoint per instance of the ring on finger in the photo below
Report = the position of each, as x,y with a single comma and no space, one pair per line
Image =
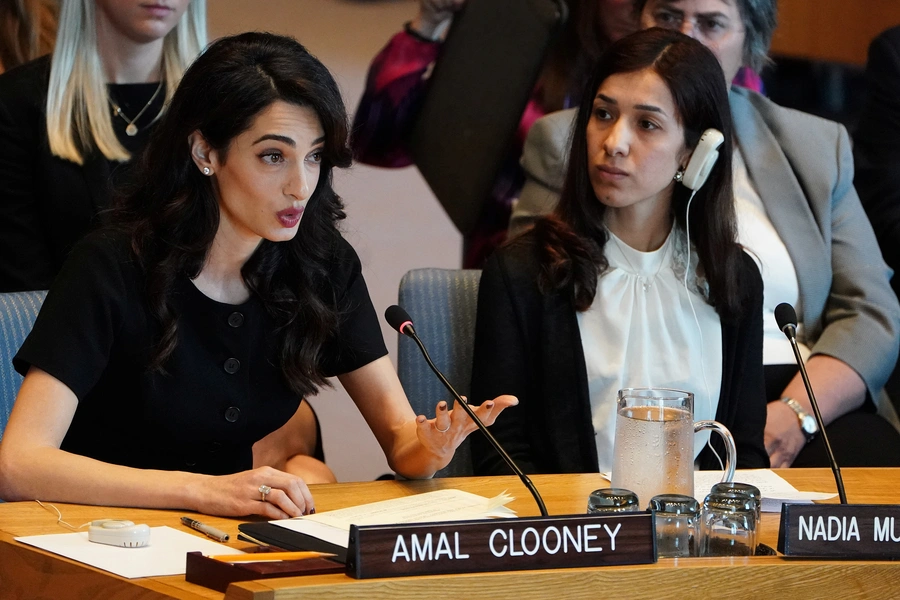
264,492
444,430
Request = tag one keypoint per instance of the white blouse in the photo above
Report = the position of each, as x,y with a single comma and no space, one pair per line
641,332
757,234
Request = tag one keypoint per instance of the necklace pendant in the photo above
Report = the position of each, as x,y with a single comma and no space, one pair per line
645,284
131,130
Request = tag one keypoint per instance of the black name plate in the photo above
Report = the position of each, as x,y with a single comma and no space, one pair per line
854,531
500,545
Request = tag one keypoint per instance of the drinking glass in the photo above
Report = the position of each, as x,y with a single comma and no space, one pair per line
727,525
676,525
612,500
751,491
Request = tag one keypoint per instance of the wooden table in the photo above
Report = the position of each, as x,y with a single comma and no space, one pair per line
26,572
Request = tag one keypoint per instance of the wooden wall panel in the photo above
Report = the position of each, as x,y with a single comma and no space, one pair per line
832,30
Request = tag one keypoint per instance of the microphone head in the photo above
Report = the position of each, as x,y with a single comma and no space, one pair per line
785,316
397,318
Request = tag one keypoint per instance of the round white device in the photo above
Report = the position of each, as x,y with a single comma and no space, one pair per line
115,532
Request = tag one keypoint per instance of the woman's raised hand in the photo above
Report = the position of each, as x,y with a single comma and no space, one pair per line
444,433
263,491
434,15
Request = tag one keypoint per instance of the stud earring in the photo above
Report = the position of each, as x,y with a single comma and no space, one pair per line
679,175
206,171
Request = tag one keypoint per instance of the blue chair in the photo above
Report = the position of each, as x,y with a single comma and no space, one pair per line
442,304
18,310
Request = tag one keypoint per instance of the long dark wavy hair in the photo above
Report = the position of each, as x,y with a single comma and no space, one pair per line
171,213
571,241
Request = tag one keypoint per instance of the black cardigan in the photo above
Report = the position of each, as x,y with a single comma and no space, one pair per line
528,344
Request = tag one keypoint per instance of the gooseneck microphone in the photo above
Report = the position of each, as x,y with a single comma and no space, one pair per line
786,318
400,320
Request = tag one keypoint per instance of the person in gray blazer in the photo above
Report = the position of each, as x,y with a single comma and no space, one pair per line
800,216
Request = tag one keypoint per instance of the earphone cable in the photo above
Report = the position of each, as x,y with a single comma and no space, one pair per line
687,268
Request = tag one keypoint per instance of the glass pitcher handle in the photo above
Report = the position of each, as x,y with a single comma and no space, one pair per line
730,449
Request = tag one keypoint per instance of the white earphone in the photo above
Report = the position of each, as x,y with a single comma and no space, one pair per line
702,160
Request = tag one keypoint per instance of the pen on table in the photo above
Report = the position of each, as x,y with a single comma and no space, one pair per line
267,556
216,534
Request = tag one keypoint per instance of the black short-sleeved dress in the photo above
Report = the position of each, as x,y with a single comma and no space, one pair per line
223,389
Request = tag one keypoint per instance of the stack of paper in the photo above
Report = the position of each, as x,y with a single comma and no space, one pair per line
430,507
775,490
164,556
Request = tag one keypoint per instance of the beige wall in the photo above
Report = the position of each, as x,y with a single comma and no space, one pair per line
393,220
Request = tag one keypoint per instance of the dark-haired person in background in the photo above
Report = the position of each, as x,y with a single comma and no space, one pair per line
27,30
876,152
630,283
876,147
177,344
800,217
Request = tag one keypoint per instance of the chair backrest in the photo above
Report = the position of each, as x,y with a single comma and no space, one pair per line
442,304
18,311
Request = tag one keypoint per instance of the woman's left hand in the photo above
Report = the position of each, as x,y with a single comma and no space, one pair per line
783,437
415,446
839,390
444,433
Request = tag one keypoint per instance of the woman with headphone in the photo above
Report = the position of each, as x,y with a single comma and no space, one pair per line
635,280
799,214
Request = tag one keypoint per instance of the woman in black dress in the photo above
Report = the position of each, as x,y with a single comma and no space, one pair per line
177,344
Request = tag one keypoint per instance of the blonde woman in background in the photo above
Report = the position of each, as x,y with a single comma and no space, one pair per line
69,121
27,30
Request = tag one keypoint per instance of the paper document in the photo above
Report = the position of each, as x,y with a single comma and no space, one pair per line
443,505
775,490
166,554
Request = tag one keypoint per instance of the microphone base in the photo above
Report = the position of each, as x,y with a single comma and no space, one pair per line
840,531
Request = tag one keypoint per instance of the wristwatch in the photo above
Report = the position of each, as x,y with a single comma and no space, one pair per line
808,424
